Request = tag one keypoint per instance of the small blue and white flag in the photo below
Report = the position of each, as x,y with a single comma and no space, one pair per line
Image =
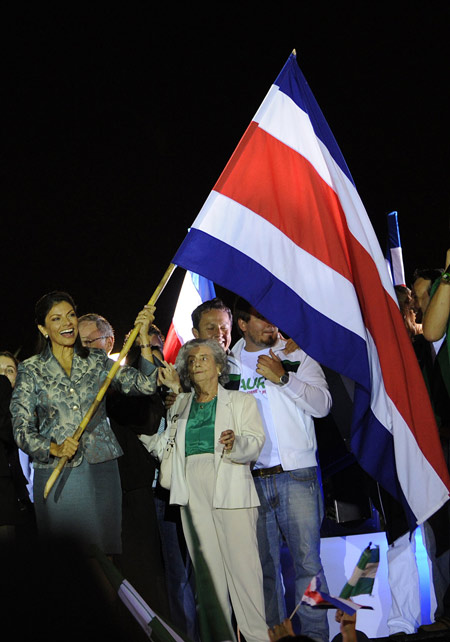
394,255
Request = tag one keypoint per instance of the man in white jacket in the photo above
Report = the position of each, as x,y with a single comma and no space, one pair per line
290,390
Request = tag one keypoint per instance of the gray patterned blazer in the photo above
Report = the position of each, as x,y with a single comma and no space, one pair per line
47,405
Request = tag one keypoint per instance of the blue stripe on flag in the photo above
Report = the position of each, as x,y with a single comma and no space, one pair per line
204,287
393,230
287,81
321,338
227,267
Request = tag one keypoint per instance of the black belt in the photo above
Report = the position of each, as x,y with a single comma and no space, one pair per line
266,472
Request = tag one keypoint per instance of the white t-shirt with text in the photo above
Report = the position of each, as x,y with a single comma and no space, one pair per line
255,384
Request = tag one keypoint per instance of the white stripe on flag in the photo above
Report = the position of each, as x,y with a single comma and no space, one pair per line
223,214
141,610
188,300
398,275
295,130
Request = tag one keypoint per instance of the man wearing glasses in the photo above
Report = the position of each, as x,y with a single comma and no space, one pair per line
96,332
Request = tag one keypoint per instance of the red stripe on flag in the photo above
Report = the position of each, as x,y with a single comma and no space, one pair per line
171,345
278,184
402,377
281,186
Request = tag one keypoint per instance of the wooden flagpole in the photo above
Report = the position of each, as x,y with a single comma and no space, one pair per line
109,377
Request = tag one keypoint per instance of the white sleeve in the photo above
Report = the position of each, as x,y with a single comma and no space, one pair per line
307,387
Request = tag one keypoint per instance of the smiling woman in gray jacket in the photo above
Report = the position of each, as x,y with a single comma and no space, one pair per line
53,392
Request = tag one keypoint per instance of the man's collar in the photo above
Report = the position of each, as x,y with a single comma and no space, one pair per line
240,345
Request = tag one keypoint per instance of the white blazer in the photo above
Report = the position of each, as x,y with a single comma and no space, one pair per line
234,486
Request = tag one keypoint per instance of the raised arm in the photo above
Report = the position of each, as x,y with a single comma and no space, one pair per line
437,314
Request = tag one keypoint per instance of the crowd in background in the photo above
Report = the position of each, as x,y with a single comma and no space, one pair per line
244,475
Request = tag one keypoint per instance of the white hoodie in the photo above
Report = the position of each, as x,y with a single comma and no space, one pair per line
294,405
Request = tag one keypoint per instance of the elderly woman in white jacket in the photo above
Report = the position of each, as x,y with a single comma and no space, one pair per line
219,433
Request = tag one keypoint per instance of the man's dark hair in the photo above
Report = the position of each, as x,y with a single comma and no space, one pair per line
428,274
241,310
153,329
404,297
212,304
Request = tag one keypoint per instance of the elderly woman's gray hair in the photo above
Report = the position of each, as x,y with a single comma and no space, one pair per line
220,357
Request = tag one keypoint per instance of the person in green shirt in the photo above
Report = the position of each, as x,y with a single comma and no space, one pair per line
219,433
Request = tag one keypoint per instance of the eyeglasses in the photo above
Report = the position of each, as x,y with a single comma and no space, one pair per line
88,342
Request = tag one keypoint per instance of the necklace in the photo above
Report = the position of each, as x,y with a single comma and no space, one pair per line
205,401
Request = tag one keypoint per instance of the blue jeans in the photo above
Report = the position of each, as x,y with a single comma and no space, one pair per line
292,508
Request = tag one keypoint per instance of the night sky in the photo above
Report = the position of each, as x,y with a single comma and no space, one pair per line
118,122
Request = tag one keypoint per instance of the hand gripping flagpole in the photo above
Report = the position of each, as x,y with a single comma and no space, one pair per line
109,377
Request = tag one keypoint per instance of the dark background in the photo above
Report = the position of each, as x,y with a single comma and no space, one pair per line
118,121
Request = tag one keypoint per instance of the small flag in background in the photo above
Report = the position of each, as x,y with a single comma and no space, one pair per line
194,291
214,626
361,582
394,255
155,627
363,576
313,596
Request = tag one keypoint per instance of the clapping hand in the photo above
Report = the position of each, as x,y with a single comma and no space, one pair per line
168,376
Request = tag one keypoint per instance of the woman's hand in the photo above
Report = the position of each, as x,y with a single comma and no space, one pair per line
145,317
227,439
170,399
168,376
68,448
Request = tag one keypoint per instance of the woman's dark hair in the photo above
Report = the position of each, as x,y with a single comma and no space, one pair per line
43,307
6,353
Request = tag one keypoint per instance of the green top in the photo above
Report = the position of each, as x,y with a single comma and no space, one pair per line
200,428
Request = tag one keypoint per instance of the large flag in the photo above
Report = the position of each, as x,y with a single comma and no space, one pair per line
285,228
195,290
394,254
